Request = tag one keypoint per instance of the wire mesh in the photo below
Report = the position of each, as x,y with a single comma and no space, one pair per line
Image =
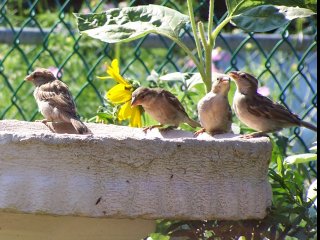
43,34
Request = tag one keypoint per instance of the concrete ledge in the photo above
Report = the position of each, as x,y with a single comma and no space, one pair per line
120,172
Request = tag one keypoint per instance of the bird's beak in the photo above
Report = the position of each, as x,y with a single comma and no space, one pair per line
234,75
224,79
134,102
29,78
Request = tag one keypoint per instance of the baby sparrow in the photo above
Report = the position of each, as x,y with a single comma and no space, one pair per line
259,112
54,99
163,106
214,110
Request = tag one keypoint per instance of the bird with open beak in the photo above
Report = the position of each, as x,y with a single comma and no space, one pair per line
259,112
54,99
214,110
162,106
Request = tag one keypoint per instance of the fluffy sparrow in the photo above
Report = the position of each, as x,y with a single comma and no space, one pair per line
54,99
163,106
259,112
214,110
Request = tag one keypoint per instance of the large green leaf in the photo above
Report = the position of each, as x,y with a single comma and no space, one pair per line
268,17
236,7
127,24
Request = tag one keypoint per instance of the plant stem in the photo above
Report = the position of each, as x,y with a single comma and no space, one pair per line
218,29
194,30
117,51
208,52
210,21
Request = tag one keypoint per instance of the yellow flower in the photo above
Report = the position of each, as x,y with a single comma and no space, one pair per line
121,94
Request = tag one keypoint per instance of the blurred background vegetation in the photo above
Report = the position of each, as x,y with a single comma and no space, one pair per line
44,34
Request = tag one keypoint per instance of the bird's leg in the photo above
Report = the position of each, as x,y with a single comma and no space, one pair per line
152,127
254,135
197,133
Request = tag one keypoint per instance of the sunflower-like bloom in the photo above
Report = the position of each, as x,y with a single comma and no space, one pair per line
121,94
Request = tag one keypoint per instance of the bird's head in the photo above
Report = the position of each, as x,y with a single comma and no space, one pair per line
40,76
246,83
221,85
143,96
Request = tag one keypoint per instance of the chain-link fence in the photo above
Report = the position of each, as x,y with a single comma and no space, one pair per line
44,34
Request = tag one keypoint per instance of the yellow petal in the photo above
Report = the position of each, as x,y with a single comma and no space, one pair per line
115,66
135,120
125,111
114,72
119,94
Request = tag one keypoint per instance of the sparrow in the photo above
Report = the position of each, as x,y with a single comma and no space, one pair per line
163,106
214,110
259,112
54,99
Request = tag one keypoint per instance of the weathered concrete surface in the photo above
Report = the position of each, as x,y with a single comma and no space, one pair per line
121,172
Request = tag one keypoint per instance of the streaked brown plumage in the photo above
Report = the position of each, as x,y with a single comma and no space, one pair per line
54,99
163,106
214,110
259,112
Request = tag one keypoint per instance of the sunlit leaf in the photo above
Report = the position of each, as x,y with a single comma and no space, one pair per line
301,158
130,23
177,76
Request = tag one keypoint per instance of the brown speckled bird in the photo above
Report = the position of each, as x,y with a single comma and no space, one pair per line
163,106
259,112
54,99
214,110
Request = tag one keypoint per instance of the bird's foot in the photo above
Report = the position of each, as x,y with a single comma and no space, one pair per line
197,133
44,121
146,129
254,135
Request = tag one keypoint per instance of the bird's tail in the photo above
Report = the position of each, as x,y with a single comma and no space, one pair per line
309,125
193,123
79,126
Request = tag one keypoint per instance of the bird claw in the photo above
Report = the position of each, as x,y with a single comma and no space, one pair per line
145,129
197,133
160,127
254,135
44,121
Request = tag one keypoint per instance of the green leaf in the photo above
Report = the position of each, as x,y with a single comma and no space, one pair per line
130,23
258,19
236,7
157,236
301,158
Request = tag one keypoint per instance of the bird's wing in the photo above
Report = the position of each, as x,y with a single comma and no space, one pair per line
172,99
58,95
262,106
